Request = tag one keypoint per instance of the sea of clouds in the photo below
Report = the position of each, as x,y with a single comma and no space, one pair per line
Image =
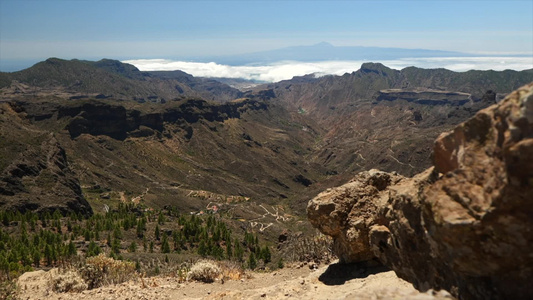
287,69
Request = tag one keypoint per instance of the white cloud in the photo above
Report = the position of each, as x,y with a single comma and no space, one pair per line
288,69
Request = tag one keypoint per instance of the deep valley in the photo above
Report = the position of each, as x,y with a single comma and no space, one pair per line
85,139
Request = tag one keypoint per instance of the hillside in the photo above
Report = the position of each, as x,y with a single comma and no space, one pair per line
244,148
223,179
280,144
109,79
365,129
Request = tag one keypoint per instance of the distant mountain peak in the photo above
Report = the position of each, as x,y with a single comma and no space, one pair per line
323,44
325,51
378,68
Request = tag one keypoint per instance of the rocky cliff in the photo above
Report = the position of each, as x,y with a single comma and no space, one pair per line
463,225
118,150
425,96
38,174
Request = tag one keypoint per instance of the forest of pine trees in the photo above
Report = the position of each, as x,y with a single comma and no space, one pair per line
29,240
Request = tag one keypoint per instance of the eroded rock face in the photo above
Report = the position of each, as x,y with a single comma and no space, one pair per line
464,225
41,180
425,96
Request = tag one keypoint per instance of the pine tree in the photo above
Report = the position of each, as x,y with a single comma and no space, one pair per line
252,262
266,255
157,232
133,247
139,230
58,225
48,254
87,235
5,218
32,224
280,263
202,249
36,257
161,219
165,247
239,252
229,249
93,249
126,224
117,232
115,246
71,249
4,265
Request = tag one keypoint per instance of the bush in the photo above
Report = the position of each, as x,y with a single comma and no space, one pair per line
101,270
8,289
70,281
317,248
205,271
231,270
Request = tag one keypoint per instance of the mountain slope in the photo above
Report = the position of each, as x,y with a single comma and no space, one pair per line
364,131
76,78
244,148
35,173
279,145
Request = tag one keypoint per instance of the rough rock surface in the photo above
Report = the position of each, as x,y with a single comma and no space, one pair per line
464,225
347,212
39,173
425,96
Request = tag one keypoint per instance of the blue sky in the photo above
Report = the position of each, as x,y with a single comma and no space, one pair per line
35,30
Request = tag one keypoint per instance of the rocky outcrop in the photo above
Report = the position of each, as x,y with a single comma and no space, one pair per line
118,121
347,212
41,180
425,96
463,225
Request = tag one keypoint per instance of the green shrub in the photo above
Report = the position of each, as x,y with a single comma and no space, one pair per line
101,270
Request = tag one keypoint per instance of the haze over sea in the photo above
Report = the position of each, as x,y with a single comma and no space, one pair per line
283,70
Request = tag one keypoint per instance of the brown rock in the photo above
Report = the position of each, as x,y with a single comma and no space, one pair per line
347,212
464,226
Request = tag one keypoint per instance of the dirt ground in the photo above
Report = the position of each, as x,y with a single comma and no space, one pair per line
296,282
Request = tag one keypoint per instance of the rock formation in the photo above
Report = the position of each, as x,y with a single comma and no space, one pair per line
41,180
425,96
463,225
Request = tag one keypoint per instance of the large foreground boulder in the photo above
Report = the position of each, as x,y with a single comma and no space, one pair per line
464,225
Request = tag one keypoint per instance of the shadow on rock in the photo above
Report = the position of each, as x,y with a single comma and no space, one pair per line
337,274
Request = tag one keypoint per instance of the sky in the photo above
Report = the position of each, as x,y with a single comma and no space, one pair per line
32,31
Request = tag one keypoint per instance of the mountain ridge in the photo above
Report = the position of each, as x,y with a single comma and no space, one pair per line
326,51
114,78
278,143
